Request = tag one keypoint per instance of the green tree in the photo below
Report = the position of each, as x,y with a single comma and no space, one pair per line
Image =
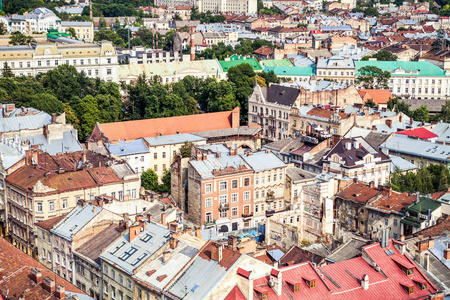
88,114
370,103
195,15
185,149
371,11
302,25
177,17
166,184
421,113
445,112
2,28
150,180
72,32
382,55
46,102
7,72
18,38
102,23
372,77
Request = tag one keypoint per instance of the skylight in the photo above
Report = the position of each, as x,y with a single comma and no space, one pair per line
139,259
118,247
128,253
146,238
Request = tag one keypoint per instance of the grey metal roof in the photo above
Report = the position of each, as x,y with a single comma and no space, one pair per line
122,170
374,138
123,148
400,164
335,62
402,144
215,148
242,130
261,161
298,174
10,155
76,24
442,130
75,221
69,143
173,139
179,257
139,248
17,123
349,250
206,167
199,279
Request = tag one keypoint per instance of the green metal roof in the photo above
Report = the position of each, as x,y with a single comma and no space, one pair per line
277,63
423,206
412,221
237,60
291,71
411,68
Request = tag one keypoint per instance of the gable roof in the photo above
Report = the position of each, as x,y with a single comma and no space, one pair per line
16,275
378,96
420,132
168,126
282,95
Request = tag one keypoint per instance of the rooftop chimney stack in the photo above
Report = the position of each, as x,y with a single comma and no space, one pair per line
60,292
216,251
365,282
163,219
49,285
426,263
149,217
232,242
166,256
173,242
36,275
192,45
447,254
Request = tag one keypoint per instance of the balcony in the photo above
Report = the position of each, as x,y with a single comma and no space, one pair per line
272,117
270,212
271,127
248,215
270,196
210,223
224,206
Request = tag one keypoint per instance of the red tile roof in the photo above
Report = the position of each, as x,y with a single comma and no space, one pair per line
229,257
167,126
264,50
358,192
235,294
378,96
325,113
395,202
49,223
421,133
17,269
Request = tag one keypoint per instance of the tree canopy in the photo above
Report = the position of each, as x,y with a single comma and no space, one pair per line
433,178
372,77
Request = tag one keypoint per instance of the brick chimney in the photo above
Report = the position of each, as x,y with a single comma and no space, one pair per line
53,118
60,292
36,275
163,219
198,233
216,251
166,256
134,231
447,254
49,285
139,218
149,217
411,121
173,242
276,277
365,282
389,123
232,242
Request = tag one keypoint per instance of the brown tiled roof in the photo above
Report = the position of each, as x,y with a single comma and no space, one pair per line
378,96
17,270
436,230
325,113
358,192
297,255
103,175
49,223
263,50
94,246
229,257
395,202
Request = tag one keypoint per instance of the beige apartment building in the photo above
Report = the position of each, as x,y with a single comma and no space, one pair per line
84,30
96,60
48,186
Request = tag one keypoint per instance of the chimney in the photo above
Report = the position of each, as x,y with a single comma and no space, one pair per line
53,118
411,121
149,217
122,225
84,157
447,254
198,233
192,45
49,285
126,217
173,242
387,191
36,275
2,271
426,263
431,244
216,251
232,242
60,292
139,218
218,154
93,208
417,197
348,145
163,219
275,276
389,123
166,256
372,184
365,282
134,232
400,118
402,248
89,145
204,156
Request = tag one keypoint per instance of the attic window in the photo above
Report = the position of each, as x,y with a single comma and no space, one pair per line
146,238
118,247
264,296
311,282
410,290
408,272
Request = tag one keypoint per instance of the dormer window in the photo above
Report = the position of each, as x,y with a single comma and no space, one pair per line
295,286
311,282
263,292
411,290
421,284
264,296
408,272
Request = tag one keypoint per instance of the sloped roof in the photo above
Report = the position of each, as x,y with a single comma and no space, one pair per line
235,61
420,132
378,96
167,126
358,192
422,68
282,95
